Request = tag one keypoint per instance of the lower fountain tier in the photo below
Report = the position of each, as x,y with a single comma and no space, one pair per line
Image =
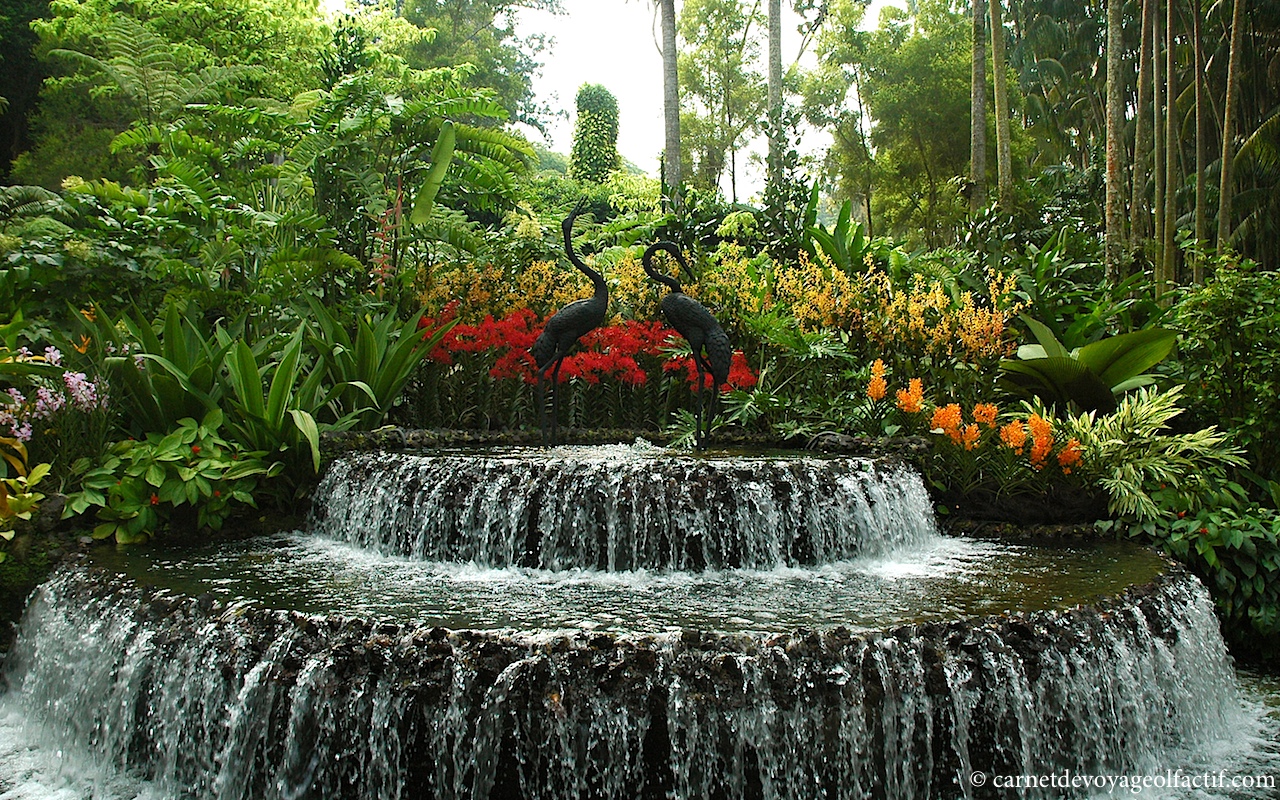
212,698
621,507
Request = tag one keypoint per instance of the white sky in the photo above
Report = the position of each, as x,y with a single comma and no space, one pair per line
614,43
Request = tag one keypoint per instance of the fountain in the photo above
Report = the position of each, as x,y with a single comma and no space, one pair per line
617,622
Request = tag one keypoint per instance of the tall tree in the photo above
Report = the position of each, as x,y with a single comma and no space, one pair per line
483,33
1169,251
1143,114
978,110
1202,145
774,160
725,94
1226,186
1000,81
672,155
1158,138
1114,250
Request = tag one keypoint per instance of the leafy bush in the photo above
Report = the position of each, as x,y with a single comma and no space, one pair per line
1229,358
1132,454
142,486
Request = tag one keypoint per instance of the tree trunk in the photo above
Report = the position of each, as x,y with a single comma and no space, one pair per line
1202,151
978,111
1157,166
775,91
1114,253
1168,246
1004,161
670,100
1139,221
1226,187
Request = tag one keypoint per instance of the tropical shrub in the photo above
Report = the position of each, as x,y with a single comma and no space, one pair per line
1087,378
1229,358
190,476
1133,453
17,500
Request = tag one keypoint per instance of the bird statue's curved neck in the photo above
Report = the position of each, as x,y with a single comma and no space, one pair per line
646,261
597,280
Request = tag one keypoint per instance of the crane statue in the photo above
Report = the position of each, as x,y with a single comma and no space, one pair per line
692,321
566,327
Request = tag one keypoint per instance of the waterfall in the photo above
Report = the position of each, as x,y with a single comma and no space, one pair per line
208,698
621,508
618,622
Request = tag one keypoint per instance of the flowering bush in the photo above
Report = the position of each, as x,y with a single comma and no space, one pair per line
981,456
621,373
58,414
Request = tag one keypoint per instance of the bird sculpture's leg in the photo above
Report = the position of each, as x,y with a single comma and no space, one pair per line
541,400
699,436
709,413
555,401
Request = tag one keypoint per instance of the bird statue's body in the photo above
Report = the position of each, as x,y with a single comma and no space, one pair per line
566,327
712,353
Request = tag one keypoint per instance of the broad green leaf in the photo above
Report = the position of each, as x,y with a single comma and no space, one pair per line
441,156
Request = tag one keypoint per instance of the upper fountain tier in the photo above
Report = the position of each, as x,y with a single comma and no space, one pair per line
621,508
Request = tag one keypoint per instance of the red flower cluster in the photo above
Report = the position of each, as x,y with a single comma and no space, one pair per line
614,352
740,374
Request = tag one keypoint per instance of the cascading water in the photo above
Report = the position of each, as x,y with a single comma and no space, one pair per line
621,508
869,659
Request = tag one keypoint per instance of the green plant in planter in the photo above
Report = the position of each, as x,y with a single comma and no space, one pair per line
1088,378
189,476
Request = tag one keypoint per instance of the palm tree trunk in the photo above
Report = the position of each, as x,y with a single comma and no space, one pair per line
1226,187
1115,134
1202,151
978,111
1168,247
1139,221
670,100
775,91
1004,160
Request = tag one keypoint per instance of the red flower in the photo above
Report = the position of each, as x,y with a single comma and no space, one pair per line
195,448
155,499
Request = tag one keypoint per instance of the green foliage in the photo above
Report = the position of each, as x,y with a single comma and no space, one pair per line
374,367
595,136
188,475
846,246
1132,454
1087,378
17,500
1237,549
1229,358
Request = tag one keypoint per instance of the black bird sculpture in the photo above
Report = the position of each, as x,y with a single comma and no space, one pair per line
692,321
566,327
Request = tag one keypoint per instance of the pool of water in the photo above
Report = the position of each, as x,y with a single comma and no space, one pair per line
940,579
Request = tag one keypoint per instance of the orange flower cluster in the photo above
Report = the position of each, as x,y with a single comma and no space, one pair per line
1016,435
911,399
877,387
1070,455
1041,440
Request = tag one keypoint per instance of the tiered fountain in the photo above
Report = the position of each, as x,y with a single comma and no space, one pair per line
618,622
